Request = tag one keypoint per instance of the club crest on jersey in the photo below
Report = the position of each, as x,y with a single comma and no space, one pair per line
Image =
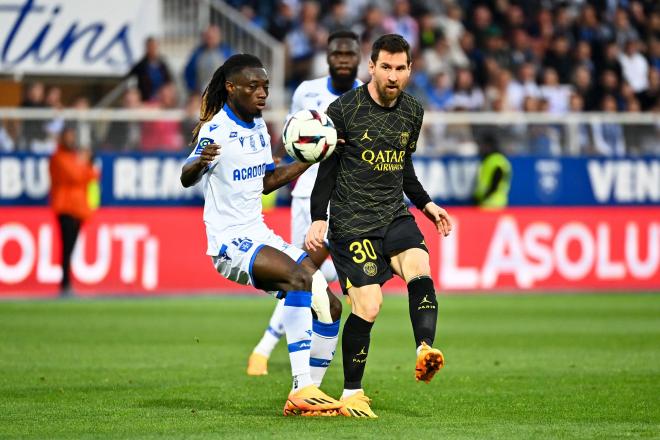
203,142
263,141
405,137
252,144
370,268
233,135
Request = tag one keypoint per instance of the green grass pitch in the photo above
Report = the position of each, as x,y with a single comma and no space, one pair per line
519,366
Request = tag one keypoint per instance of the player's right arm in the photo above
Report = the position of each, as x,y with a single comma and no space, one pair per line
324,185
193,170
200,158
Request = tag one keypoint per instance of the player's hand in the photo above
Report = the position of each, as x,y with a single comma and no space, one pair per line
315,237
209,153
440,217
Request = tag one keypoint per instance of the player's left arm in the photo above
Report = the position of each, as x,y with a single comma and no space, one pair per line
280,176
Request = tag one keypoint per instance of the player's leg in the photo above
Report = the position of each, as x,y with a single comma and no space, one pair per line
362,268
325,325
409,259
273,270
300,222
366,302
258,360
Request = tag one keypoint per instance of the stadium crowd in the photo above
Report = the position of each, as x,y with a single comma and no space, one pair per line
500,55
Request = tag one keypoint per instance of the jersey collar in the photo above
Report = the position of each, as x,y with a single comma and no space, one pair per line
236,119
337,92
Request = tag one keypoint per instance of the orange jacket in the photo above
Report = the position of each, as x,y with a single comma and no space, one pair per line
69,177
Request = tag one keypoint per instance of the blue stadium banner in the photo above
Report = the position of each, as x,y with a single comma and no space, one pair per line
153,180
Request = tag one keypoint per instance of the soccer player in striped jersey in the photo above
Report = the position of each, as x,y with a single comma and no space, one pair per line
232,157
343,58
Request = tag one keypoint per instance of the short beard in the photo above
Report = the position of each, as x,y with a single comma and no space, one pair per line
344,83
382,93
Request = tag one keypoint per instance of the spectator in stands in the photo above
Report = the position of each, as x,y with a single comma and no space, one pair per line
496,48
563,22
438,59
553,92
151,71
163,135
451,26
402,23
609,85
650,98
579,133
205,59
71,171
654,50
524,86
610,61
33,130
634,67
440,95
303,41
588,28
338,18
467,96
583,86
125,135
371,26
582,56
429,31
559,58
623,30
542,139
479,25
283,20
521,48
608,137
53,127
84,130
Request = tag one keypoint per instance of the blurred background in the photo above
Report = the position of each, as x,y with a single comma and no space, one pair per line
541,135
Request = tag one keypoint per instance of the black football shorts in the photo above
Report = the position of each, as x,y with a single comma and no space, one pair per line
366,260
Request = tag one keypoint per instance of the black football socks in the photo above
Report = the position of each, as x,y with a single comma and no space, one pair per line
355,348
423,308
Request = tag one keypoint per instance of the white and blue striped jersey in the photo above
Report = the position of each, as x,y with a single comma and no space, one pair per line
316,94
233,182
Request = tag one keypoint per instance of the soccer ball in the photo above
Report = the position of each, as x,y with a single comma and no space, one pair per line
309,136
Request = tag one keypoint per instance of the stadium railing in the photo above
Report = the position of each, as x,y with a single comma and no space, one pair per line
443,133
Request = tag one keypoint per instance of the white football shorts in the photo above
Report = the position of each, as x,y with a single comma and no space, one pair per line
301,220
237,254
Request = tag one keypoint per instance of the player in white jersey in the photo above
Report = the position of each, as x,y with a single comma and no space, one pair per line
233,159
343,59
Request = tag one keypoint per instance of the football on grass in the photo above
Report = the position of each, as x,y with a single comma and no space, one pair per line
309,136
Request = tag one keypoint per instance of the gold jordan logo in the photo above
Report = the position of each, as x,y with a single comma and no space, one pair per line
365,136
360,360
425,300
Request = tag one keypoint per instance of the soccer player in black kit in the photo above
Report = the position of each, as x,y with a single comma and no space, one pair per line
372,234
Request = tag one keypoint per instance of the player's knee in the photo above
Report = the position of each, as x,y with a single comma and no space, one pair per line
369,312
416,268
300,279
